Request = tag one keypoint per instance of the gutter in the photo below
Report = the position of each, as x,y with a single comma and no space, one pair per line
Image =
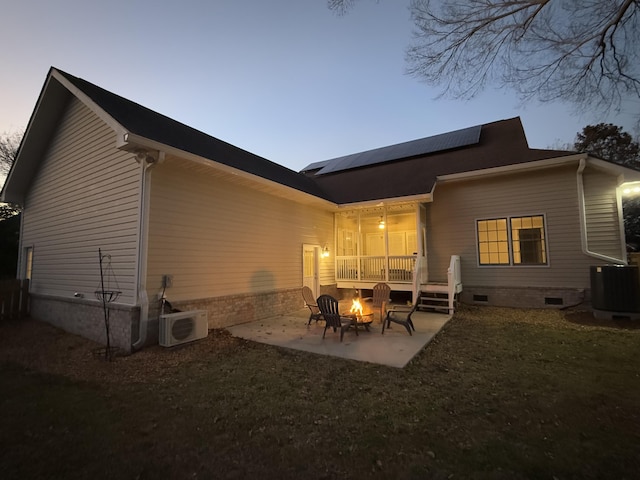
583,219
147,161
517,167
421,197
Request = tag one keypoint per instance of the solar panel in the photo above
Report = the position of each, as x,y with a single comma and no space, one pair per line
423,146
316,165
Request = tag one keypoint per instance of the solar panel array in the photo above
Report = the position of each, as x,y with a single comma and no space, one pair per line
423,146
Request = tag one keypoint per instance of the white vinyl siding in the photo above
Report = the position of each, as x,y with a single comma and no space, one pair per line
601,213
218,235
451,224
84,197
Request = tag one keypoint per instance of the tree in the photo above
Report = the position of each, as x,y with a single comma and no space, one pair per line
9,245
9,143
610,142
9,218
585,52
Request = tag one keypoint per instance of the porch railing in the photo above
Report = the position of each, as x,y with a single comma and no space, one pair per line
397,269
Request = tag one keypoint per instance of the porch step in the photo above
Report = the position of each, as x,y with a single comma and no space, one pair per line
435,288
435,298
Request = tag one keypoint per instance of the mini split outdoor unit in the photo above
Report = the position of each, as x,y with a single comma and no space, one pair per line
183,327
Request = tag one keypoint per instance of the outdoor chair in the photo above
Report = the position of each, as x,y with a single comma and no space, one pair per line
381,294
311,304
401,315
329,308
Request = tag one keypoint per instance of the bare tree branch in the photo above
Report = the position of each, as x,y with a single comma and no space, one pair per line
581,51
9,143
341,7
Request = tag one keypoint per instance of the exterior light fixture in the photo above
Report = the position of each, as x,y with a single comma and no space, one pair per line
632,188
381,224
325,252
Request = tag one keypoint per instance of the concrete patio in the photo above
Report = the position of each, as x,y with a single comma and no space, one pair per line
395,348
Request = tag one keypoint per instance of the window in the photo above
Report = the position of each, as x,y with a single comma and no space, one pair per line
493,243
527,235
512,241
28,262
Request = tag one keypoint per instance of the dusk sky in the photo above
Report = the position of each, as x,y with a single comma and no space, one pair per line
285,79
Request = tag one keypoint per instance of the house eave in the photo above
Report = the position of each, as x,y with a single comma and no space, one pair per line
119,130
51,101
132,142
54,96
623,173
420,198
514,168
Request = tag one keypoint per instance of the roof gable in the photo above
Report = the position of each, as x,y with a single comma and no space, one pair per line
129,117
407,169
149,124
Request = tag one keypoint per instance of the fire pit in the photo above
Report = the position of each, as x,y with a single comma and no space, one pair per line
358,315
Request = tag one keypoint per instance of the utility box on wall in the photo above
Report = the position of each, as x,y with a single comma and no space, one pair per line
615,290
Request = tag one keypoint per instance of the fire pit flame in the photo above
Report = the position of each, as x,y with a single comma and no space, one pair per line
356,307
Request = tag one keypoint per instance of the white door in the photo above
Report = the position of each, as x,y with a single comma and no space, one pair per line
310,266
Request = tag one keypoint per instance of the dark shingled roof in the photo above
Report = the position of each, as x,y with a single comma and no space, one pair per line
401,170
146,123
423,146
500,144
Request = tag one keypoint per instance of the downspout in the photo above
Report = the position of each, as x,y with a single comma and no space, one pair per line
147,161
583,219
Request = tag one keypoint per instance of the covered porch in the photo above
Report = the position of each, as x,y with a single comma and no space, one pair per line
387,243
384,243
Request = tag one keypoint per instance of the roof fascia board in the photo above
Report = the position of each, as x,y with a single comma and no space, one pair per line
423,197
9,191
625,174
133,142
93,106
519,167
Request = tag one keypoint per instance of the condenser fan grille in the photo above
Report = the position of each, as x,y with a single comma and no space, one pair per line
182,328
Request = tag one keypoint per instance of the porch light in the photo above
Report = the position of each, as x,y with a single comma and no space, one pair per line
325,252
381,224
629,191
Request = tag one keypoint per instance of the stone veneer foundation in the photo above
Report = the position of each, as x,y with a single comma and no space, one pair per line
86,318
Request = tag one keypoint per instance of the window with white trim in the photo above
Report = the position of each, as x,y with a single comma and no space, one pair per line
512,241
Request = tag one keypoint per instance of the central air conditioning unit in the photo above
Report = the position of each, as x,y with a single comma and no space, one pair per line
183,327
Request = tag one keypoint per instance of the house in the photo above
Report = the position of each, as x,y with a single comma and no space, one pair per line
181,215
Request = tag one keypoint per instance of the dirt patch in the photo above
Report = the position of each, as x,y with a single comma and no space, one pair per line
45,348
586,318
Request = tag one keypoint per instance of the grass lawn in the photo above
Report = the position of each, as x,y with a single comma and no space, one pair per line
499,393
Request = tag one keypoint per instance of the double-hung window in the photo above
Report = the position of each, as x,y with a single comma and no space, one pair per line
512,241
